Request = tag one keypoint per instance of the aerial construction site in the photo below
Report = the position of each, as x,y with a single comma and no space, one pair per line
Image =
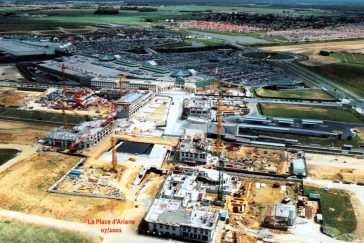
177,130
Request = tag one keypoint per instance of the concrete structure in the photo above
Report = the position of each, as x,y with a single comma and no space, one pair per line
189,152
168,218
197,106
27,48
153,159
132,102
298,167
62,137
285,213
180,212
90,71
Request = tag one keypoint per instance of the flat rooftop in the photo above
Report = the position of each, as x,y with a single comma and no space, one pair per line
131,97
17,47
169,211
76,132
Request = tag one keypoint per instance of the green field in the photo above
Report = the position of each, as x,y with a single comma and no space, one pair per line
305,94
340,222
268,55
310,112
349,57
39,115
74,18
19,232
349,76
7,154
253,9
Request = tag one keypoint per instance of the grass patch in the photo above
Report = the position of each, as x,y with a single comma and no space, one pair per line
39,115
19,232
267,55
349,57
303,94
7,154
349,76
340,222
310,112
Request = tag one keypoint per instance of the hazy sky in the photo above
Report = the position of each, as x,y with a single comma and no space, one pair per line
256,1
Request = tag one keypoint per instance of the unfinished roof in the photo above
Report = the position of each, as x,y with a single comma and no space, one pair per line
169,211
131,97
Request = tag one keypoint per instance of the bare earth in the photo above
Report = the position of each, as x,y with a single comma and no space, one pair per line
312,50
24,186
21,133
14,97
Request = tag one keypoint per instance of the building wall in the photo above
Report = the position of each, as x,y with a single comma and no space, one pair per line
199,157
87,143
182,232
127,109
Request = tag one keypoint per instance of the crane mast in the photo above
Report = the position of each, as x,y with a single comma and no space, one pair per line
219,147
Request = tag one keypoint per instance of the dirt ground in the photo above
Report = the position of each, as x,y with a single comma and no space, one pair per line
312,50
335,173
334,167
24,186
21,133
10,72
14,97
89,111
275,157
360,132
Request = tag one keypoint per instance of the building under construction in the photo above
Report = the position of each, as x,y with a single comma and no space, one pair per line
85,135
182,211
132,102
195,150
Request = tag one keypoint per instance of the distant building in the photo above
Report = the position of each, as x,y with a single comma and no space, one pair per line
18,47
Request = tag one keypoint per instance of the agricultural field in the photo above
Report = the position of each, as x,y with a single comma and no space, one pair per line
304,94
349,76
18,232
268,55
310,112
338,213
347,58
254,9
7,154
39,115
77,18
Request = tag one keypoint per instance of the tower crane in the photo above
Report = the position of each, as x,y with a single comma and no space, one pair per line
219,147
114,161
121,81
